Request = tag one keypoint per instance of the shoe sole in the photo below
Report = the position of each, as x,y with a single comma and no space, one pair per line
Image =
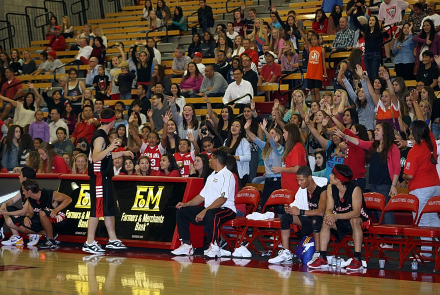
318,267
92,252
116,248
13,244
181,254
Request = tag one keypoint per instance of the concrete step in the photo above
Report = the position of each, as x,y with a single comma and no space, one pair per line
167,47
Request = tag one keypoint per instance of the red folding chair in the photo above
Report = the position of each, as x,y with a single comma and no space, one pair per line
380,232
269,227
432,206
232,230
373,201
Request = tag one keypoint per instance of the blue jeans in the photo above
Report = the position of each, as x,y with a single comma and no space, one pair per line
125,96
361,182
428,219
435,128
383,189
372,64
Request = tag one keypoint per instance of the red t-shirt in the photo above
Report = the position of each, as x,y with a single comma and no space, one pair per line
418,164
84,129
59,165
355,157
10,93
153,153
239,28
269,71
296,157
209,155
253,55
187,159
173,173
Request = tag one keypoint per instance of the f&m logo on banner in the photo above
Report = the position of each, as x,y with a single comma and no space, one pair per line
142,204
84,197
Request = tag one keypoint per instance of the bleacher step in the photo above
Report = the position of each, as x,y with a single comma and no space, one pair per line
166,47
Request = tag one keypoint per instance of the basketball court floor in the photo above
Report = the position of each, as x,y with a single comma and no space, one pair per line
69,271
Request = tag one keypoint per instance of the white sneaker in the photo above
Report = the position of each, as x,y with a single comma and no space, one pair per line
225,253
33,240
184,249
13,240
213,251
284,255
242,251
315,256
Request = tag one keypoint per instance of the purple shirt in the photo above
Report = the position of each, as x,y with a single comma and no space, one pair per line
40,131
285,65
192,83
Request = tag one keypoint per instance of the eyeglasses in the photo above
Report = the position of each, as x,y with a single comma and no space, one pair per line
245,60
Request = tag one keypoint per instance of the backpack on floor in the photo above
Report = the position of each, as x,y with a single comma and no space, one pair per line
305,249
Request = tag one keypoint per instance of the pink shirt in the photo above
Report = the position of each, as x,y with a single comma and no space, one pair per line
393,157
191,83
392,13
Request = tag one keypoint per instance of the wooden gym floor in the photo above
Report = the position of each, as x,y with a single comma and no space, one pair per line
68,271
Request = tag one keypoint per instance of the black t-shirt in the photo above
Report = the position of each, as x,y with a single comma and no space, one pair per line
252,78
105,166
44,202
314,198
345,204
428,75
379,173
223,69
101,83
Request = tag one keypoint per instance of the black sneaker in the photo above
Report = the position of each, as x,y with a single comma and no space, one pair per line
94,248
223,244
55,239
115,245
47,244
387,61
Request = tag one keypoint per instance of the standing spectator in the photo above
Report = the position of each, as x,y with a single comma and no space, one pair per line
57,42
431,14
102,84
205,18
84,52
56,122
114,72
239,26
344,39
50,161
11,93
355,9
320,23
333,20
16,62
180,63
213,84
347,67
194,46
191,82
66,27
39,128
404,53
11,147
428,39
144,63
29,65
74,90
124,81
386,18
249,23
208,44
179,21
417,16
86,127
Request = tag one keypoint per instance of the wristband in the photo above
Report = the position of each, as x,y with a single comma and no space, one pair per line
336,216
302,212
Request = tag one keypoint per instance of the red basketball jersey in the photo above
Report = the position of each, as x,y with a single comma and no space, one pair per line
153,153
187,159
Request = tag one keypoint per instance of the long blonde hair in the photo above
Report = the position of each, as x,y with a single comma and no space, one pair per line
292,48
74,168
260,30
130,141
34,160
67,23
274,43
100,31
268,147
48,149
292,102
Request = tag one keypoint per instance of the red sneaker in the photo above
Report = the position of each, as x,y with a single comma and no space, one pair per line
355,265
319,263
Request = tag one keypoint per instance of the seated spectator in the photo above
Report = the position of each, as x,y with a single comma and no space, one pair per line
223,45
154,21
82,145
10,92
99,106
160,77
208,45
289,58
191,82
343,214
84,52
252,53
219,201
168,167
29,65
179,21
50,28
25,110
57,41
16,62
117,165
230,32
238,46
248,73
344,39
128,165
62,145
320,23
86,127
66,27
204,16
428,72
159,110
333,20
39,128
50,161
222,66
142,96
143,167
80,164
44,65
262,58
162,7
4,59
213,84
88,34
237,89
180,63
197,59
98,50
92,71
55,65
270,72
98,32
194,46
55,124
178,98
239,26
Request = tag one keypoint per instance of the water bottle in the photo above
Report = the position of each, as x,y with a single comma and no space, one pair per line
338,262
334,262
414,264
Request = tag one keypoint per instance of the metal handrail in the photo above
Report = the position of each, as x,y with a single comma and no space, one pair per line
294,88
117,4
157,29
67,64
28,24
82,10
187,23
63,3
238,98
9,35
49,13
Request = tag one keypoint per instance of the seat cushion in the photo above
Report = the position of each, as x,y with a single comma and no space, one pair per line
422,231
387,229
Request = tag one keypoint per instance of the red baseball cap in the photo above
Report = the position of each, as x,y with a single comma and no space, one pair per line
52,53
199,54
57,28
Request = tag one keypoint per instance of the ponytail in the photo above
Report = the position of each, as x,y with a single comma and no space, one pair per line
431,148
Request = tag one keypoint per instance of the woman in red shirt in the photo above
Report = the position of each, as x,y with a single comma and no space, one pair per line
421,173
168,167
50,161
80,164
143,168
320,24
128,167
294,157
